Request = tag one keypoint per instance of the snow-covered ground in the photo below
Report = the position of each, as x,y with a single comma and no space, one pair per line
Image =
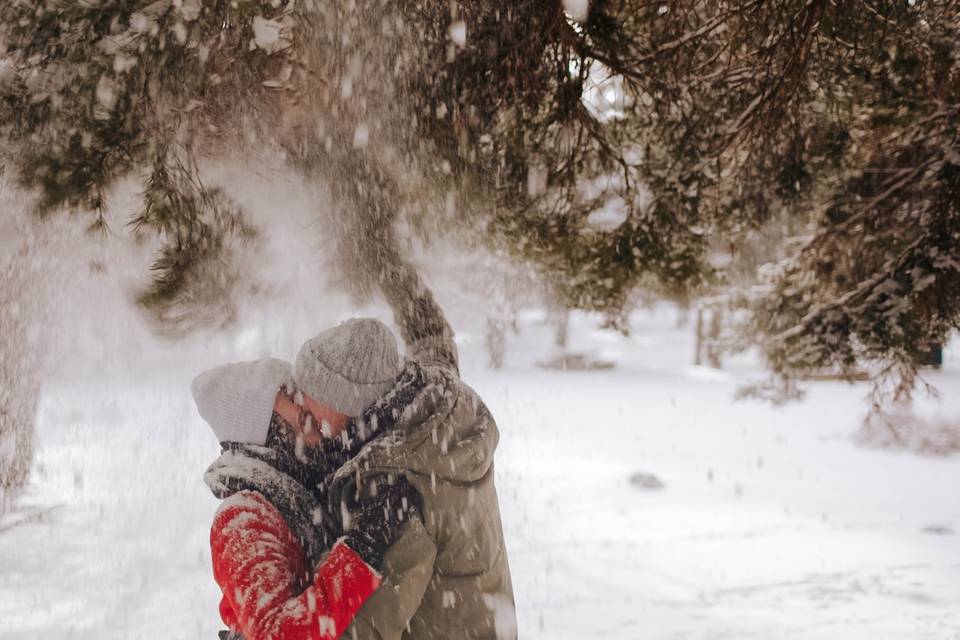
772,522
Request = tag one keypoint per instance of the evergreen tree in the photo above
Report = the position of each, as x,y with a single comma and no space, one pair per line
690,120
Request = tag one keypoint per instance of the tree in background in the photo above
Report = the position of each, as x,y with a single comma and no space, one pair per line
868,96
25,277
681,122
19,381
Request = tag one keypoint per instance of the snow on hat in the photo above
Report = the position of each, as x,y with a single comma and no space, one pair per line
348,367
237,399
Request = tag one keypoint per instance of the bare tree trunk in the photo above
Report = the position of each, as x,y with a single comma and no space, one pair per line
19,369
561,328
698,345
495,342
713,344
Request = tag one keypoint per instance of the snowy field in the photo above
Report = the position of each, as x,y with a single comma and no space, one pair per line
771,522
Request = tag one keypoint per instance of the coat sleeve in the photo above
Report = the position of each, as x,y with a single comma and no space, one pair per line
422,323
407,570
262,571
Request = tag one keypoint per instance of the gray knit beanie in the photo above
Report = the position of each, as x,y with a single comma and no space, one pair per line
349,366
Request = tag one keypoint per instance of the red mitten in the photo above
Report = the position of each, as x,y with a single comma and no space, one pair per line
262,570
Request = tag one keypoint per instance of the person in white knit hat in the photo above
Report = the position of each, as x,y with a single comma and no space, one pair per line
339,372
409,433
275,541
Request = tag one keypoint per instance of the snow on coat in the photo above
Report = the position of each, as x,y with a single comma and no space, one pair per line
442,441
277,476
269,592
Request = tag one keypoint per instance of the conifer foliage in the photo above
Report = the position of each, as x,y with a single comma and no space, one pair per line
609,142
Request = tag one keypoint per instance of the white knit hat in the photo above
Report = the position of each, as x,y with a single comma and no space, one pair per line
348,367
237,399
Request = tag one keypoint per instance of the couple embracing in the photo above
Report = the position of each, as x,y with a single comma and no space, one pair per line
357,493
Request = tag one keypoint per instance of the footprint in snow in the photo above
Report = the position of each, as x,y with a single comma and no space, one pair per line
643,480
938,530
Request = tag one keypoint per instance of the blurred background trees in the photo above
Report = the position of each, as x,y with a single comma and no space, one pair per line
609,144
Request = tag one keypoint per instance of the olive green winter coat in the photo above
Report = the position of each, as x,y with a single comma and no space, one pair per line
448,576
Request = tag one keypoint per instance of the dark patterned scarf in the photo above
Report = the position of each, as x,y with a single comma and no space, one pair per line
295,480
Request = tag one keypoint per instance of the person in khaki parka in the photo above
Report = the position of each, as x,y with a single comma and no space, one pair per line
443,444
445,575
442,440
